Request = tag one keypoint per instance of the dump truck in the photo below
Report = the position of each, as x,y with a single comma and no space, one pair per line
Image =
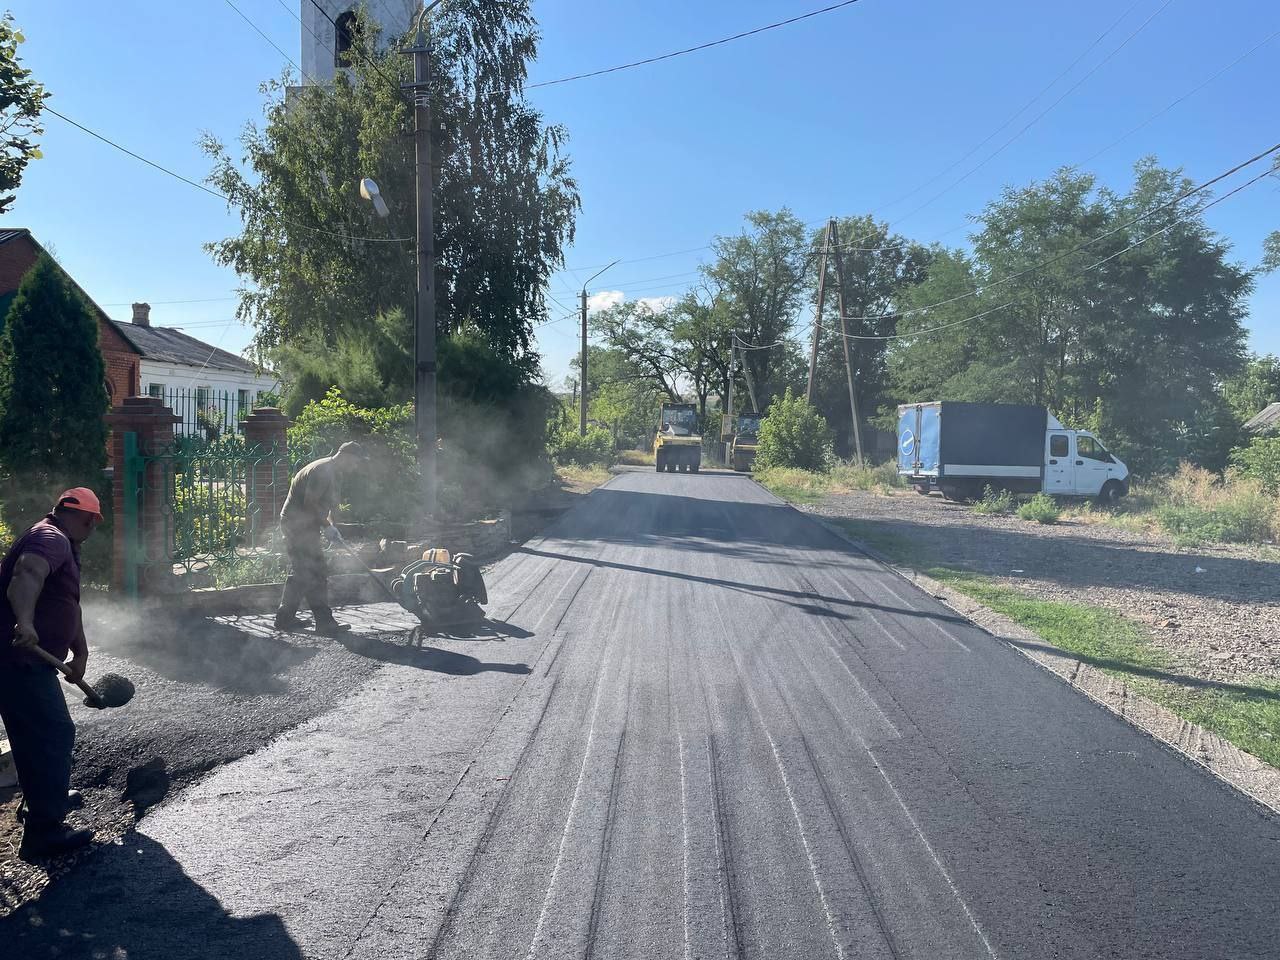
677,445
746,440
960,449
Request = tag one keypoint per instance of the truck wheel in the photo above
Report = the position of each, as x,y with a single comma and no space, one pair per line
671,467
922,489
696,465
1111,492
659,462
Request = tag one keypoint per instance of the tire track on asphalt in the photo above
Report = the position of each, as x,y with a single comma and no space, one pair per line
924,840
744,682
516,776
570,818
475,756
606,842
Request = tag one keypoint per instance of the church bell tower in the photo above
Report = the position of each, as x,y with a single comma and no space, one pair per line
328,27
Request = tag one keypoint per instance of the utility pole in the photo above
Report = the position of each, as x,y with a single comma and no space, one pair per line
733,355
817,320
834,233
424,313
582,360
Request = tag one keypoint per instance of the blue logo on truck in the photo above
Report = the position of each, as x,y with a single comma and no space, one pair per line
908,442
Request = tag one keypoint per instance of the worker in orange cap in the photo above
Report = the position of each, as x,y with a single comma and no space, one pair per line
40,606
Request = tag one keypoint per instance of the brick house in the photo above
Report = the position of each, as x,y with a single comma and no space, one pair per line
19,251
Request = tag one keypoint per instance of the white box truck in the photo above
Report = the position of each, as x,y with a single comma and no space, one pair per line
961,448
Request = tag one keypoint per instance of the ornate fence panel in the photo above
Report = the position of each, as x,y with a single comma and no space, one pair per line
200,513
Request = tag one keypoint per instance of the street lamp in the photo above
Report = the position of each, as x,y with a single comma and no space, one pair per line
369,190
582,409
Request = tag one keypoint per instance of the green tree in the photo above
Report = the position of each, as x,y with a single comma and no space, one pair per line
757,283
21,100
794,434
1258,384
52,395
504,199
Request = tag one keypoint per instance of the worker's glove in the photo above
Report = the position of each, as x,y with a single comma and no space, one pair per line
332,535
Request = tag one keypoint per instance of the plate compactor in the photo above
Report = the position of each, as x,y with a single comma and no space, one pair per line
442,589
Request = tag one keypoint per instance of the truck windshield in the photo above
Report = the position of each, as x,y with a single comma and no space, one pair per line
680,421
1090,448
749,424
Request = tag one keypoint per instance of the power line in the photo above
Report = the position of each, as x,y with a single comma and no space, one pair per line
214,193
688,50
166,302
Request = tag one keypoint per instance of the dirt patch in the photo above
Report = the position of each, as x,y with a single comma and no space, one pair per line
1214,610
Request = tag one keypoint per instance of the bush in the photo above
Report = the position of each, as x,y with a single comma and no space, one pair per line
995,501
1203,507
794,434
1260,462
1041,508
566,446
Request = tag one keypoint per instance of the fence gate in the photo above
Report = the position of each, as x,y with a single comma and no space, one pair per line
200,513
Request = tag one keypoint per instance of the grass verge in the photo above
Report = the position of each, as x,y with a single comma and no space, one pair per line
583,477
1246,713
635,458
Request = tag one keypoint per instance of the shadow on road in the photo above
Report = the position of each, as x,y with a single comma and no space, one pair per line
134,900
805,601
399,651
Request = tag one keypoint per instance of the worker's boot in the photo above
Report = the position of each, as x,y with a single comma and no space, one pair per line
75,800
289,621
326,626
51,841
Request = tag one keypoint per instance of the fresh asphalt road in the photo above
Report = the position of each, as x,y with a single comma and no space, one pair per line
702,727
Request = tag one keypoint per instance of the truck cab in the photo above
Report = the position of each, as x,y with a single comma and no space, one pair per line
1076,464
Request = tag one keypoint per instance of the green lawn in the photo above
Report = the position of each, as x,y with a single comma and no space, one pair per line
1246,713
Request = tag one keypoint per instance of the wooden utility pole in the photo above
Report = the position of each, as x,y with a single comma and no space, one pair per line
834,234
817,320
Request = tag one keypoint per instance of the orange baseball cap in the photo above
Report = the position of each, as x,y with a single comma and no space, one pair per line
81,498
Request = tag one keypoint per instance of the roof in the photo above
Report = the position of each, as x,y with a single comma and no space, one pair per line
167,345
1268,421
7,298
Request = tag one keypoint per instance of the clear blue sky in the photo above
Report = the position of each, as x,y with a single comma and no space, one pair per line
838,114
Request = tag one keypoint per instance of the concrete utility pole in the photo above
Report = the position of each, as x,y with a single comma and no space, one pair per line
817,319
424,314
834,233
582,360
733,356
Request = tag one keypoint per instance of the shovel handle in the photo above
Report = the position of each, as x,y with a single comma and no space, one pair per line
91,693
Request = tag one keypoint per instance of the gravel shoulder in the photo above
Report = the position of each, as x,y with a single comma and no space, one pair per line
1215,611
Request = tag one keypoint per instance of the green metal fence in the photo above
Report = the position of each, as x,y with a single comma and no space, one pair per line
202,514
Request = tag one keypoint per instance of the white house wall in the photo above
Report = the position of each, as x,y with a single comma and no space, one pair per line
176,376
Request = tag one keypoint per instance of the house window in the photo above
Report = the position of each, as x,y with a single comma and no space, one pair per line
202,397
242,398
155,390
346,28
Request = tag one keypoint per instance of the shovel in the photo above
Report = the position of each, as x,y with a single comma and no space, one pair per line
111,690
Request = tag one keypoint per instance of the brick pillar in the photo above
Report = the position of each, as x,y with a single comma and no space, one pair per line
268,473
150,423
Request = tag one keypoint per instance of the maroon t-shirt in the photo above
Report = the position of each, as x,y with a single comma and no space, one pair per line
57,613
